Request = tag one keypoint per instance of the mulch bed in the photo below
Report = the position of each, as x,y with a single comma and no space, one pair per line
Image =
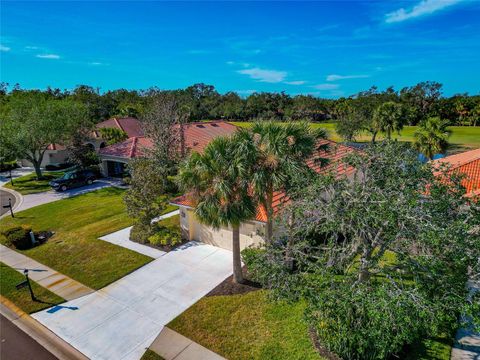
228,287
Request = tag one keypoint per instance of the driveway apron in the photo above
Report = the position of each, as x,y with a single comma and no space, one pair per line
121,320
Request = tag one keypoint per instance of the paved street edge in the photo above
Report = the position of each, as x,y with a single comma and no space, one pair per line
58,347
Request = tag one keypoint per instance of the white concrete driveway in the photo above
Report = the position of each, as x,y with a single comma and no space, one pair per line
121,320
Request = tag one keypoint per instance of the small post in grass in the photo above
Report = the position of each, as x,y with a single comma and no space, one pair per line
26,283
9,206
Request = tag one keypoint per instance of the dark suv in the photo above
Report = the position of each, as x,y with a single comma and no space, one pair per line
73,179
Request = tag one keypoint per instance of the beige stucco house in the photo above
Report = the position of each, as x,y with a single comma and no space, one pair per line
253,232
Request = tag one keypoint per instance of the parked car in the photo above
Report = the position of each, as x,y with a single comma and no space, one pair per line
73,179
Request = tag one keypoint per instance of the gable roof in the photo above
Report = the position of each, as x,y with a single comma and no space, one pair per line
129,148
334,154
197,135
467,163
130,125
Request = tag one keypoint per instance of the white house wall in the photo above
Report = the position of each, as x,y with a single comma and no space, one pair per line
251,233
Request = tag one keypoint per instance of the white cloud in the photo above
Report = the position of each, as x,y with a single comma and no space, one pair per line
31,47
48,56
245,92
4,48
296,82
264,75
425,7
326,86
95,63
335,77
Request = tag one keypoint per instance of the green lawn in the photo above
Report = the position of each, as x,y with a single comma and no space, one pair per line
75,250
29,184
10,277
151,355
247,326
462,136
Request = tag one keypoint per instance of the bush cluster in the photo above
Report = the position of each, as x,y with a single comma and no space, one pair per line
18,237
164,234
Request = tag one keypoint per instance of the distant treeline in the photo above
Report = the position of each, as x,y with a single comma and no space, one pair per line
202,102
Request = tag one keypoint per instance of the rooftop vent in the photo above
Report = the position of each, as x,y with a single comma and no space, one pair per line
214,125
200,126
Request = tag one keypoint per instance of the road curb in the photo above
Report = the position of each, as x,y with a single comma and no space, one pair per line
18,200
49,340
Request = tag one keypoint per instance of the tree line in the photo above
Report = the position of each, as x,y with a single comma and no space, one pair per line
201,102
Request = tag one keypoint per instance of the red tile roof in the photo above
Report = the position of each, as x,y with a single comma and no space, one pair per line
199,134
196,135
335,154
129,148
130,125
56,147
467,163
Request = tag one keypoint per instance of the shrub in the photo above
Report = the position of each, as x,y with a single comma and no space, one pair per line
8,165
370,322
140,233
18,237
61,166
165,237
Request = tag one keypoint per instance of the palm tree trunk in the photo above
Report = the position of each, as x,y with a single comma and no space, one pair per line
237,262
374,136
269,210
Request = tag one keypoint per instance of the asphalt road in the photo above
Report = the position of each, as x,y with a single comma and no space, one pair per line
4,201
16,345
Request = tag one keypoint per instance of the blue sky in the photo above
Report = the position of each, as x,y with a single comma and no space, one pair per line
327,49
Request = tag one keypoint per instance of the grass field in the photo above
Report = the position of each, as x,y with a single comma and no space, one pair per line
75,250
29,184
10,277
247,326
462,136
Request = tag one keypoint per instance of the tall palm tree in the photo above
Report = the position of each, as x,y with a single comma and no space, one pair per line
280,151
388,117
432,137
217,180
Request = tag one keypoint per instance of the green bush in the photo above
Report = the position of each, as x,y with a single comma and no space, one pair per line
18,237
359,321
8,165
140,233
165,237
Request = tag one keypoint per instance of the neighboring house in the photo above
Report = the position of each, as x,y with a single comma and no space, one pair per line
54,155
57,154
468,164
196,136
253,232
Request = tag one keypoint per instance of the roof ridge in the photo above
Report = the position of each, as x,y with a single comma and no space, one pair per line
118,124
134,145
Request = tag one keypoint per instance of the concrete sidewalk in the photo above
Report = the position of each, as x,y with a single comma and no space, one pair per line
122,238
171,345
50,279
